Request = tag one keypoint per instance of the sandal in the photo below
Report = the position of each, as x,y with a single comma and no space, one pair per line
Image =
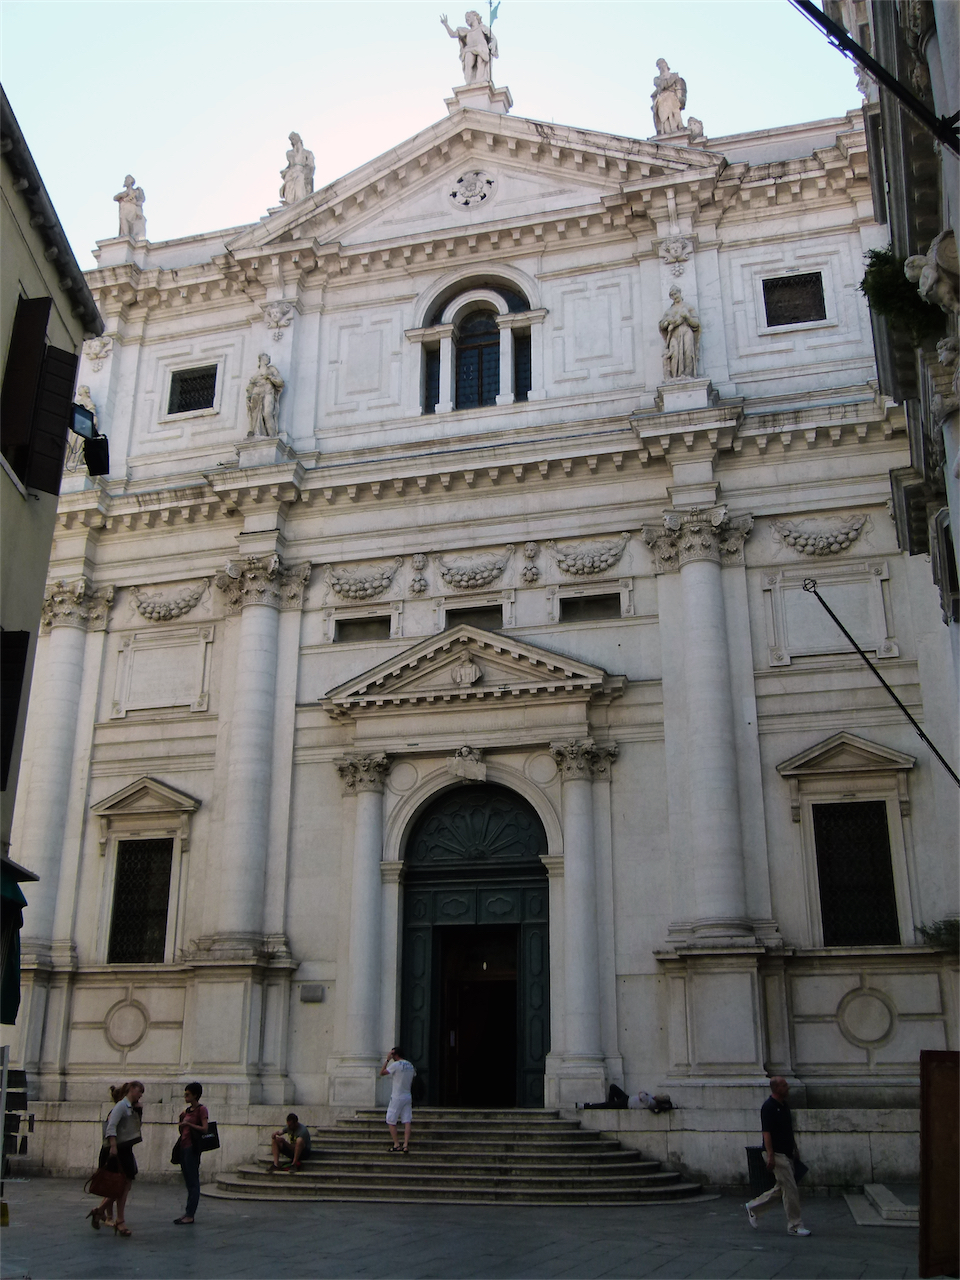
405,1150
120,1228
396,1148
183,1222
94,1216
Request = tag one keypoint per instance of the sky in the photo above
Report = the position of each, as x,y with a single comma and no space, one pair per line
196,98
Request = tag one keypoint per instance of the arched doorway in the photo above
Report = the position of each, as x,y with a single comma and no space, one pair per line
475,1010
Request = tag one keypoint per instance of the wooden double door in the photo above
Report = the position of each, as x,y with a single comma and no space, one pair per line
475,963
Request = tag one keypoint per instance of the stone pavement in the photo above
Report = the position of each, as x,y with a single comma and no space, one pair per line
48,1239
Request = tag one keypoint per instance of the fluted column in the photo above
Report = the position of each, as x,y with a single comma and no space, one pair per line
70,609
697,543
583,1049
256,587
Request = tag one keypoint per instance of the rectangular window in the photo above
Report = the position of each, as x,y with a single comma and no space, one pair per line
521,366
431,379
589,608
794,299
192,389
141,899
350,630
14,647
488,617
858,902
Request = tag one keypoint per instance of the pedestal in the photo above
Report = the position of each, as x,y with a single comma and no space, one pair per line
264,451
479,97
685,393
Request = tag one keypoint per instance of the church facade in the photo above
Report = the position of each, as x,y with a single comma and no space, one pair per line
438,666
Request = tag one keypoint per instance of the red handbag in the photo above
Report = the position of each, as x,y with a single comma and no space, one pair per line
107,1183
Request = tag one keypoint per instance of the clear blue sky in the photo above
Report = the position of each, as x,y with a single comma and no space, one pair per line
196,99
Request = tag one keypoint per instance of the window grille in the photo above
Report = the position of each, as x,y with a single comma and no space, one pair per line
794,299
138,933
192,389
478,360
858,902
349,630
487,617
589,608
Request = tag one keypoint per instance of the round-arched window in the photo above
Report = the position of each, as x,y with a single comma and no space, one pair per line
478,360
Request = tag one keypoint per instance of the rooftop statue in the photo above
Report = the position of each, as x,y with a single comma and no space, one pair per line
669,98
130,200
298,175
477,46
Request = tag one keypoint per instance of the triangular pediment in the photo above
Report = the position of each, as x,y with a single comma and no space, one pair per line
540,169
844,753
467,664
145,796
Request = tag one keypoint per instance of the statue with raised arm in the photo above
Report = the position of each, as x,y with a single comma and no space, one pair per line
263,399
680,329
669,97
298,175
478,45
130,200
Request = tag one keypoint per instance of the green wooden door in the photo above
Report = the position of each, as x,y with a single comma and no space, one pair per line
473,859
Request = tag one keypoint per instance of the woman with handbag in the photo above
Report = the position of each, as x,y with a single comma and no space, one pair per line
194,1121
121,1133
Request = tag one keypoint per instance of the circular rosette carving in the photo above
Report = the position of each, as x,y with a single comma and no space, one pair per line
477,824
472,189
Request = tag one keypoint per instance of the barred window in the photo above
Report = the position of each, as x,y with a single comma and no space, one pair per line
589,608
141,897
192,389
489,617
858,902
794,299
350,630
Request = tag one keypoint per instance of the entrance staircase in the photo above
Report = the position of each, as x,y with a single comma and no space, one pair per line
464,1157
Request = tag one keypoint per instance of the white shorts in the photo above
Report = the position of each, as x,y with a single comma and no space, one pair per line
400,1110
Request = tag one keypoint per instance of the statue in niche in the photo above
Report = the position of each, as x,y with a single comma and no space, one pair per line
478,45
669,98
73,458
680,327
130,200
298,175
263,398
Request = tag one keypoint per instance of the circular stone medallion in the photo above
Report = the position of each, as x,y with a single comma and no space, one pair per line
126,1025
540,768
472,189
866,1017
403,777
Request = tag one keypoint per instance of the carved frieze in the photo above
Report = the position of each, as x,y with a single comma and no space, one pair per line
585,760
470,573
819,537
363,773
585,558
697,534
262,580
76,604
365,582
161,608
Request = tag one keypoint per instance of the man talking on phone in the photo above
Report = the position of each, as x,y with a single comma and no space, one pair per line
400,1110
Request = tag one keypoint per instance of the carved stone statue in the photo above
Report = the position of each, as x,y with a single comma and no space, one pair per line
298,175
130,200
680,327
935,273
477,46
263,398
669,98
73,458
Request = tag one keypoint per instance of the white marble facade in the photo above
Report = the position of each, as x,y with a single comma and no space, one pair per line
197,683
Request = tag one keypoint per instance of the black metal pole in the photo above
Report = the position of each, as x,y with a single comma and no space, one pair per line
942,127
810,585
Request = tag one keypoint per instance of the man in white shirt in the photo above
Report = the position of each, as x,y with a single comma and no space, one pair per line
400,1110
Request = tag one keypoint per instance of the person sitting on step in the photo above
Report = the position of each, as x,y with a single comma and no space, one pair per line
293,1141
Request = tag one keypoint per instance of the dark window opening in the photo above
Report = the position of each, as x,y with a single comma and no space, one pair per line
350,630
192,389
858,902
431,379
521,365
489,617
14,647
589,608
478,360
138,933
794,299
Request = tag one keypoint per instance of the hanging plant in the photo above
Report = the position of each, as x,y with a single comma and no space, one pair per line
891,295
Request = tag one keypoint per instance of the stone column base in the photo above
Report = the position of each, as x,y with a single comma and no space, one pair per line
574,1078
353,1080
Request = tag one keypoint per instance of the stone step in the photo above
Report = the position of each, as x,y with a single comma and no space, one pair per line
431,1124
405,1170
515,1115
385,1158
693,1195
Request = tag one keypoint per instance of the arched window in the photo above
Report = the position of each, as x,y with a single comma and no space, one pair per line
478,360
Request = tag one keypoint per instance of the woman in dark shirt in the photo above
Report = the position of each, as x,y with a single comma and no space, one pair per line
193,1121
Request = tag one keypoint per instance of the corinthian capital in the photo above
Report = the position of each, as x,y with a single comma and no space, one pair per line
262,580
584,760
363,773
76,604
698,534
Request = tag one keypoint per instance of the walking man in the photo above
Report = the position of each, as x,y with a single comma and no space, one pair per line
400,1110
781,1149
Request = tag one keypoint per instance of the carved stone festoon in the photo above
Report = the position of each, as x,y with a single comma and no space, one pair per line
363,773
699,534
263,580
363,582
584,558
160,608
76,604
470,573
585,760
